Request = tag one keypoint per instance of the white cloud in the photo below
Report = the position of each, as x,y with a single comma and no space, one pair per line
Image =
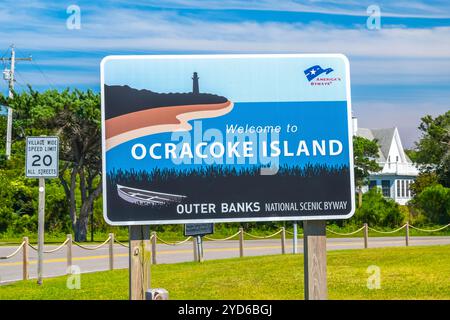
406,9
385,56
150,31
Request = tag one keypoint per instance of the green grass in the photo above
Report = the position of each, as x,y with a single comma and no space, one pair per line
406,273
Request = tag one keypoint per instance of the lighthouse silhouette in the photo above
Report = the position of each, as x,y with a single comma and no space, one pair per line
195,78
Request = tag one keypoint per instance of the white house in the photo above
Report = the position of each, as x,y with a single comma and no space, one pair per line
398,171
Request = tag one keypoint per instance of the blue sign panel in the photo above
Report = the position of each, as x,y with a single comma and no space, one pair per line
222,138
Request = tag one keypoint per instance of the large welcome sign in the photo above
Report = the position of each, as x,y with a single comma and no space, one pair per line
221,138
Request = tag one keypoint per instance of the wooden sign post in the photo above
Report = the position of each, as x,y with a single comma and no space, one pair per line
315,259
140,260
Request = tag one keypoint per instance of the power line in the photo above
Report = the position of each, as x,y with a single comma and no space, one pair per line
42,73
23,81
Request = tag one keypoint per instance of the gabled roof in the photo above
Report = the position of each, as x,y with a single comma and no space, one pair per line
384,139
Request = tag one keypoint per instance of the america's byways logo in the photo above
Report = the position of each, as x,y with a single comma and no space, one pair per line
313,73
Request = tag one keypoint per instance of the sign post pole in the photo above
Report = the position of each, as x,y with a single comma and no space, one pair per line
41,224
315,259
200,248
294,240
139,262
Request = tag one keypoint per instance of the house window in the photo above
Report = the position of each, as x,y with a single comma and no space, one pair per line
386,188
409,188
398,188
403,188
372,184
396,158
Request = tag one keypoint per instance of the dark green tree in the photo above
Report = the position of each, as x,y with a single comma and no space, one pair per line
74,116
423,180
433,149
434,202
365,152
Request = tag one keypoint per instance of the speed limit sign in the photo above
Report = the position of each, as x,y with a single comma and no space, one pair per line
42,157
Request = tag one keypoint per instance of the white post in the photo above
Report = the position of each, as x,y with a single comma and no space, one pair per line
41,223
10,111
294,240
11,81
194,244
199,249
241,242
111,251
69,252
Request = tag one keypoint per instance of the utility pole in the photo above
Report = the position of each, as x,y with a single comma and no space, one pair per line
9,76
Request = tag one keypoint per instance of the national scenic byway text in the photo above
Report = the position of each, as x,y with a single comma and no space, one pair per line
246,207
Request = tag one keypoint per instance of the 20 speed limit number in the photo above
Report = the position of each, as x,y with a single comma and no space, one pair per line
42,157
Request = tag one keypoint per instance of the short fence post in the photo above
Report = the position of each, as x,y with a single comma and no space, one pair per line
283,240
69,253
407,234
111,251
194,243
241,242
366,236
153,247
25,258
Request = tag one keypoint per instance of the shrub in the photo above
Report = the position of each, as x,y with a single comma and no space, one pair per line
377,210
434,202
6,218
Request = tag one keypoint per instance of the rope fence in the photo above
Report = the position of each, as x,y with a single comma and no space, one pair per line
14,253
173,243
388,232
432,230
223,239
68,243
92,248
263,237
122,244
345,234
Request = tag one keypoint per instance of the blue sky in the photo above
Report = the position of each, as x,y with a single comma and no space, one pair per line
399,72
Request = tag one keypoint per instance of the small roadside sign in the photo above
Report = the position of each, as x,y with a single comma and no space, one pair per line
42,157
41,161
198,229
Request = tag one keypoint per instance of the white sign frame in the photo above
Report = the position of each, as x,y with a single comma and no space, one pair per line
229,220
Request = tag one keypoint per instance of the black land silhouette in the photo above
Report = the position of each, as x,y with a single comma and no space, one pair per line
121,100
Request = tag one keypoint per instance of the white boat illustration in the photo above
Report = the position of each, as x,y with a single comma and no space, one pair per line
147,197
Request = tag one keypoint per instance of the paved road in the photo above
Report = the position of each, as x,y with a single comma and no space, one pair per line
89,261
